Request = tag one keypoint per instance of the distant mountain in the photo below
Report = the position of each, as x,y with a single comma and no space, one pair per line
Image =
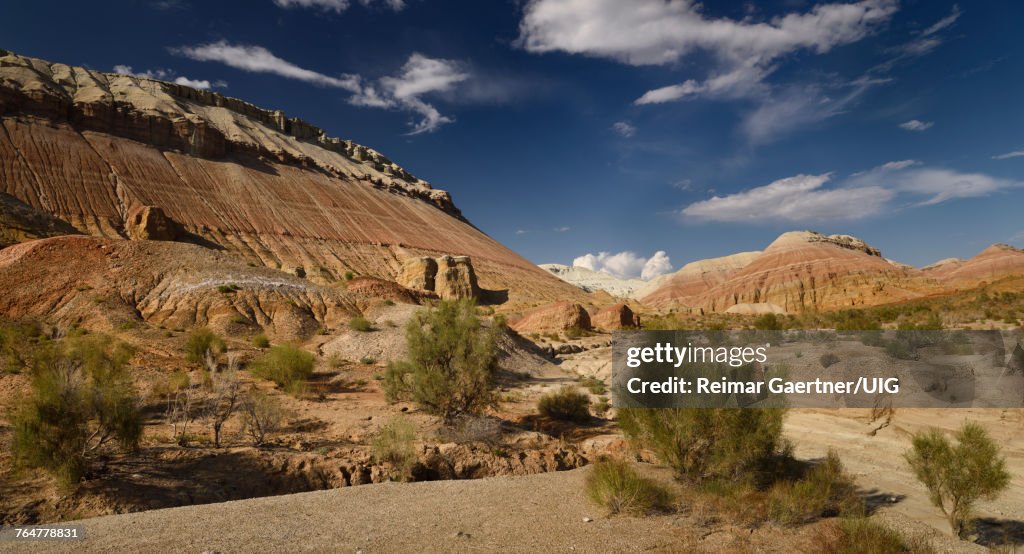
592,281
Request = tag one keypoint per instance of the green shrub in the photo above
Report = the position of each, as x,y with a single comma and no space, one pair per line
394,444
958,476
452,362
701,443
602,406
389,302
768,322
81,397
367,360
285,365
825,490
594,385
261,341
17,343
863,535
566,404
200,341
828,359
361,324
615,485
576,332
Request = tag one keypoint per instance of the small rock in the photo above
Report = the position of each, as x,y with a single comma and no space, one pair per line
587,519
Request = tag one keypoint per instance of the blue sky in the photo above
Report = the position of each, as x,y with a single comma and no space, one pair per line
572,127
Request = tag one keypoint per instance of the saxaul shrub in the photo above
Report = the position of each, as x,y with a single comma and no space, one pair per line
81,398
452,362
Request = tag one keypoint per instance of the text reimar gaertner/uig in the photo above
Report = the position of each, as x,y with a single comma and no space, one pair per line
776,385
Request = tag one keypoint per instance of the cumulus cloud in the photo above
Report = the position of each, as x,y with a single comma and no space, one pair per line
336,6
168,75
419,76
658,32
626,264
916,125
1008,155
624,128
804,198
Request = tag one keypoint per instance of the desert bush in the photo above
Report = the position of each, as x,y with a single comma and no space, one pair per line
768,322
361,324
224,397
452,361
825,490
615,485
565,404
17,343
394,444
863,535
593,384
828,359
576,332
261,341
367,360
958,476
81,397
701,443
200,341
285,365
262,416
602,406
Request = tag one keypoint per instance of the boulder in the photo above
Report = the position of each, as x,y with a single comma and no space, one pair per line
418,273
618,316
150,223
554,317
455,278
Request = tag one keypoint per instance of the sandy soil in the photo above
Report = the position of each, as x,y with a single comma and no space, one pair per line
549,514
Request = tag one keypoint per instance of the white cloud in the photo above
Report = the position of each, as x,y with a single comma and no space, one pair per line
1008,155
562,229
803,198
788,108
257,59
336,6
521,231
168,75
658,32
658,264
626,264
419,76
792,199
916,125
925,41
624,128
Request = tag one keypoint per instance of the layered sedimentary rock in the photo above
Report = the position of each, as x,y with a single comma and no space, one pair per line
101,283
696,278
559,316
90,147
617,316
991,264
800,270
450,277
20,222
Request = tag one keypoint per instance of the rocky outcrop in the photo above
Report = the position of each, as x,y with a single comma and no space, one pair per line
150,223
20,222
559,316
273,190
455,278
618,316
418,273
450,277
104,284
